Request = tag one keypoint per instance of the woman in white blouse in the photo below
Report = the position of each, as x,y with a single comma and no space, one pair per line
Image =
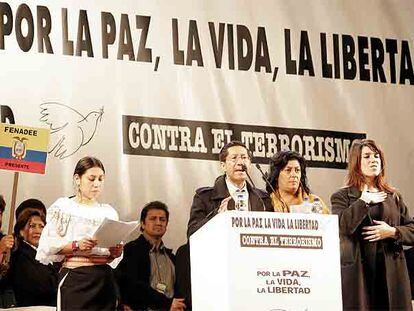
86,280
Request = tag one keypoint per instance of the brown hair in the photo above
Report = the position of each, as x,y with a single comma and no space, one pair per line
355,178
23,219
86,163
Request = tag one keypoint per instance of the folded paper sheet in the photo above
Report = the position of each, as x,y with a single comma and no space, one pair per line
113,232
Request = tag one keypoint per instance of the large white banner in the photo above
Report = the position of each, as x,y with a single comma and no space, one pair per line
154,89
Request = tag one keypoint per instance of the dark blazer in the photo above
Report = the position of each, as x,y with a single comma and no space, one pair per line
34,284
183,274
207,200
7,299
133,276
352,212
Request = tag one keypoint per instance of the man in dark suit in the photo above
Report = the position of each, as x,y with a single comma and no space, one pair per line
230,191
146,274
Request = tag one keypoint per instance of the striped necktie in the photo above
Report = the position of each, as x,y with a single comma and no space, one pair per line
241,200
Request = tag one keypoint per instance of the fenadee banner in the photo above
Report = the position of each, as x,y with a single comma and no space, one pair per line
23,148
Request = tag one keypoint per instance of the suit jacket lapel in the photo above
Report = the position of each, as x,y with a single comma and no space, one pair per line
221,192
254,200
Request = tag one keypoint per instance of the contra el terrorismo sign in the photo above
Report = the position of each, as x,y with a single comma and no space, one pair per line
203,140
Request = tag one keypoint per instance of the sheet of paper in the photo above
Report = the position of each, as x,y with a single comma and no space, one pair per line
112,232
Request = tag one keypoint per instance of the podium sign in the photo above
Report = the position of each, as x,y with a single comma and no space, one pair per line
266,261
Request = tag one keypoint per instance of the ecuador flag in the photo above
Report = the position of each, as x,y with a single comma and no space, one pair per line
23,148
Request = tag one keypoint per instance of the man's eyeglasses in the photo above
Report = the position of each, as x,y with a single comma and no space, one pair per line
235,157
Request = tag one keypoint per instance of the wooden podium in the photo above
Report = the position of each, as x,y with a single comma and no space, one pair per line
266,261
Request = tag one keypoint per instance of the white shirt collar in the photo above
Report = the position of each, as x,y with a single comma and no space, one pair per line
232,188
32,246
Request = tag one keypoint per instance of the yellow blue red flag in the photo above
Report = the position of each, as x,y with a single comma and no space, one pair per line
23,148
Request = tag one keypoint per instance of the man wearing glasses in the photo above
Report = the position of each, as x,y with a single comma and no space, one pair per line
230,191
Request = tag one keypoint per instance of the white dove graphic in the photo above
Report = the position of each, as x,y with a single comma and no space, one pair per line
69,129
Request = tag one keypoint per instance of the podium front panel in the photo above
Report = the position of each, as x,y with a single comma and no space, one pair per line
266,261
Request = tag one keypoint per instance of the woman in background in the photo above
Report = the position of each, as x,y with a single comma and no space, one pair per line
373,224
86,281
33,283
290,185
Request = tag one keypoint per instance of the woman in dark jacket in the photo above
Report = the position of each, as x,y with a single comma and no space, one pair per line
374,223
34,284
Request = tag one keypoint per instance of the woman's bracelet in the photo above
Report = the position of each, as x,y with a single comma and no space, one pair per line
75,246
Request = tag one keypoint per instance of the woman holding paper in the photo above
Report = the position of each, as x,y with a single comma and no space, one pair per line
373,224
86,280
289,183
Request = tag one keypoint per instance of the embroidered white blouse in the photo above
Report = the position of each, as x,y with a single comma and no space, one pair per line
67,221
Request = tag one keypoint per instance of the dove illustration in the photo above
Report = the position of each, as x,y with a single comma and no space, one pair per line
69,129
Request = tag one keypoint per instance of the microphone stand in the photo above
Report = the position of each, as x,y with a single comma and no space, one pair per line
264,177
244,168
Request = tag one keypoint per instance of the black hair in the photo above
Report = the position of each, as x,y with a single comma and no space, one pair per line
279,161
224,151
2,204
154,205
32,204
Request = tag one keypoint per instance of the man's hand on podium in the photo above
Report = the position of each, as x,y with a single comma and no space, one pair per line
223,205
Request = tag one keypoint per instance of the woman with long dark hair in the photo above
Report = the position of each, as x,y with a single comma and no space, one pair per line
290,184
86,281
374,223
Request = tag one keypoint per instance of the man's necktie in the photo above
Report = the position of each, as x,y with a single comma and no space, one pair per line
241,200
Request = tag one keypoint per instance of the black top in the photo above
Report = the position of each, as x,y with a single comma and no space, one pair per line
133,275
33,283
207,200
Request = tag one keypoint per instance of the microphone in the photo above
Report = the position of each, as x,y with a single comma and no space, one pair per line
264,177
244,168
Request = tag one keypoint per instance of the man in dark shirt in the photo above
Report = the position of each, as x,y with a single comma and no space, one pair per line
146,274
230,191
